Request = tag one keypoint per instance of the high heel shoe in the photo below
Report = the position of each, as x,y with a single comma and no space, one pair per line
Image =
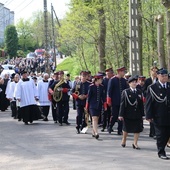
123,145
135,147
97,136
93,135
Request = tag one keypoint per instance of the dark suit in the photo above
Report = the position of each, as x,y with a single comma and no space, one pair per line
106,114
82,88
63,104
158,109
115,87
148,82
53,104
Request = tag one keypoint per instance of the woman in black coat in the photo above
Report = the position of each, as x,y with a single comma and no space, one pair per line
131,112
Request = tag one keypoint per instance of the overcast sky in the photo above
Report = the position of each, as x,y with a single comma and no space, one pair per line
25,8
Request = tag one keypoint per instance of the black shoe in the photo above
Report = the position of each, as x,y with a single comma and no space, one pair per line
123,145
67,123
46,119
151,136
163,157
19,120
93,135
102,130
135,147
119,133
110,130
55,121
77,130
97,136
26,123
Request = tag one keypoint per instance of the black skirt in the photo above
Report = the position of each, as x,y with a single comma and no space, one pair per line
133,125
95,112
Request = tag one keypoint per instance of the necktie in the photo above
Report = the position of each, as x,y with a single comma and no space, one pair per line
164,86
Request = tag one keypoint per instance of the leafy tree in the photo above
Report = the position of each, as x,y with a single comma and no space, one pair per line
11,40
25,34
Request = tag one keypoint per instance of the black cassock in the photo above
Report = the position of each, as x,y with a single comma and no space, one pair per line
4,102
132,110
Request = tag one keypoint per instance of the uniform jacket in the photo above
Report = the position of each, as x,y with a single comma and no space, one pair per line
131,106
115,87
82,88
148,82
105,84
65,88
96,97
158,104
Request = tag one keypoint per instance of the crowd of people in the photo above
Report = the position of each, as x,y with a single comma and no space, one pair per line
103,99
37,64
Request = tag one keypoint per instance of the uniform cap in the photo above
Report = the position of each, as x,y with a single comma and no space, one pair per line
98,76
121,69
142,78
56,73
132,79
60,72
128,74
102,73
162,71
109,69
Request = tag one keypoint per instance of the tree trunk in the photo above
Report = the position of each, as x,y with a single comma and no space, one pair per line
168,36
102,39
140,33
160,40
166,3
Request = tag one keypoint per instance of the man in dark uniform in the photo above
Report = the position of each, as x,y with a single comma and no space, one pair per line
53,102
79,93
151,80
63,102
158,110
107,113
115,87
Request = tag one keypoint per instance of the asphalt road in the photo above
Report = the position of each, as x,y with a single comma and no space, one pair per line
48,146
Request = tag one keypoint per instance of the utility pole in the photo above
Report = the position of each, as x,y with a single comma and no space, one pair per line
135,34
47,69
54,49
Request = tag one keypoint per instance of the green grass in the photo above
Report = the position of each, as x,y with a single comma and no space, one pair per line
69,65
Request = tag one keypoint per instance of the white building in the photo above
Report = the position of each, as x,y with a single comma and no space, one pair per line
6,18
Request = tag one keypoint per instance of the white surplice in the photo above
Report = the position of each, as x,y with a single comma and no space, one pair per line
26,91
43,93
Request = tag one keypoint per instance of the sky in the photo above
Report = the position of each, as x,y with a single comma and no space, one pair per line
25,8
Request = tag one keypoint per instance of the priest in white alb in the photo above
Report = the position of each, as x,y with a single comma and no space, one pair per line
43,101
26,94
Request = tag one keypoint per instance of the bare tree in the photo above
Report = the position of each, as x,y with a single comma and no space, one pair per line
160,40
166,3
